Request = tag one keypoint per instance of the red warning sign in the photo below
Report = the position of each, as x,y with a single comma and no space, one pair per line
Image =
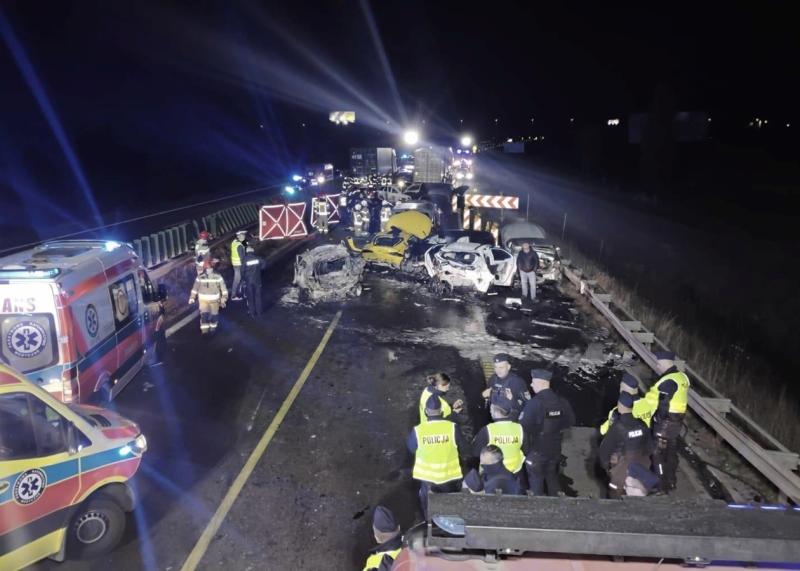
277,221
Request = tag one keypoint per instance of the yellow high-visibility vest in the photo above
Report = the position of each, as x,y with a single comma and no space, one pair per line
423,398
679,401
235,259
507,436
437,453
374,560
642,409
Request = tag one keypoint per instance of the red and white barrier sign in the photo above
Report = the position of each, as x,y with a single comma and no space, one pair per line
278,221
487,201
333,209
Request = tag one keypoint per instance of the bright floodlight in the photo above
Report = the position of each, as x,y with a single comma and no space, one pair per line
297,177
466,140
289,189
321,179
411,137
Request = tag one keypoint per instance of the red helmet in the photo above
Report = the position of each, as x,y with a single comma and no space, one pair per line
204,235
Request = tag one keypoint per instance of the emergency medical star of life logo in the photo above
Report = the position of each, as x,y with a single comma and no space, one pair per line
92,321
26,339
29,486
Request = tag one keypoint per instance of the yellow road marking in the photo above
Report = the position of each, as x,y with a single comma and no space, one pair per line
213,526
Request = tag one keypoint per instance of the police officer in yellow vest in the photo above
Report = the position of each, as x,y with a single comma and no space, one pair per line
238,249
668,397
641,406
507,435
439,385
388,538
436,446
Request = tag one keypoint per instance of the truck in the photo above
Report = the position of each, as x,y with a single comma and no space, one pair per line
431,164
366,161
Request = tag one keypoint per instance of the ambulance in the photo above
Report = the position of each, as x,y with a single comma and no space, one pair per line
79,318
65,475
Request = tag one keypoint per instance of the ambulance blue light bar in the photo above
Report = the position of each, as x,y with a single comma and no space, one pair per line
25,274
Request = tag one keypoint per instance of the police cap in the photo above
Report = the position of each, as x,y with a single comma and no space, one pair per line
542,374
626,399
638,472
241,233
473,481
502,358
665,355
433,406
630,380
383,520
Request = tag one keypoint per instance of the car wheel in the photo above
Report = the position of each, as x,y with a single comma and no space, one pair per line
96,528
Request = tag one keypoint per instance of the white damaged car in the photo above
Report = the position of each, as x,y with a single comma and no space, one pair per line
513,235
465,264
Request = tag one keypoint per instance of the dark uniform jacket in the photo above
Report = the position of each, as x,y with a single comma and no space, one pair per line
527,262
627,438
519,392
496,478
253,265
544,418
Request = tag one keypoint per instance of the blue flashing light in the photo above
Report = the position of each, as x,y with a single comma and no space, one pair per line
289,189
297,177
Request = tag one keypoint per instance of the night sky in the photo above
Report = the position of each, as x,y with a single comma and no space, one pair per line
163,100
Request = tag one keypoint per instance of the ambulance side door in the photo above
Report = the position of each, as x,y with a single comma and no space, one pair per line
39,478
152,307
129,325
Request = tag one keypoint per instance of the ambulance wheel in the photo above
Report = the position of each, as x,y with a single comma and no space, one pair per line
96,528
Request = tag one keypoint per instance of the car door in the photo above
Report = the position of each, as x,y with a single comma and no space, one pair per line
39,479
505,266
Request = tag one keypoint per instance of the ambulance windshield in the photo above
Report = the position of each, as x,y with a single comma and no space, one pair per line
28,341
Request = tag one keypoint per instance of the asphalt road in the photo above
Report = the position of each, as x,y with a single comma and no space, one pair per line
340,450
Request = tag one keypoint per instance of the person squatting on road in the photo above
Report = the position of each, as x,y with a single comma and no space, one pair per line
545,417
627,442
527,264
238,250
439,385
253,266
209,289
437,445
668,397
506,386
387,535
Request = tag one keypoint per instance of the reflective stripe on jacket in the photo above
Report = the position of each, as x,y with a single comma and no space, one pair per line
642,409
209,286
437,453
507,436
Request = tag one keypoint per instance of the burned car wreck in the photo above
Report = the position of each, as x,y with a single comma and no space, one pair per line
465,264
328,272
512,237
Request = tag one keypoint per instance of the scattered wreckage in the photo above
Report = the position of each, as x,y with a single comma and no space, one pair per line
465,264
328,272
512,237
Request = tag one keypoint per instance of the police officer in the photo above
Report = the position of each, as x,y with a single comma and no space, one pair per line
209,288
505,385
507,435
321,208
627,442
544,418
238,249
202,250
436,445
387,536
253,265
495,476
668,397
439,385
641,407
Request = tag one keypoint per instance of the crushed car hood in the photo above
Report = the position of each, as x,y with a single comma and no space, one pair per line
519,230
414,223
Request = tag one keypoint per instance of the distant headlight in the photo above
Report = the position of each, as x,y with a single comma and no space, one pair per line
469,176
459,175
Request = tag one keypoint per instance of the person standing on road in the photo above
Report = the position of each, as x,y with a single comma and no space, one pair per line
202,250
374,208
439,385
668,397
527,264
321,205
436,445
238,249
387,536
253,266
507,435
495,476
627,442
545,417
641,407
506,386
209,288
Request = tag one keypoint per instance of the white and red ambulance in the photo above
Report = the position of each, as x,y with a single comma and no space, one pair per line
78,317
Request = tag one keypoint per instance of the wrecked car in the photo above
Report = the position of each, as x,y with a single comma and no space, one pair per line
389,248
328,272
513,235
464,264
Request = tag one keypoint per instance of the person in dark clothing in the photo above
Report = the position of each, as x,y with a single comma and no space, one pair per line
506,386
544,418
374,206
495,476
628,441
527,264
387,536
253,266
472,482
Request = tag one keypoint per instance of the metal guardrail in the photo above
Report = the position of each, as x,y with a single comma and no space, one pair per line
776,464
167,244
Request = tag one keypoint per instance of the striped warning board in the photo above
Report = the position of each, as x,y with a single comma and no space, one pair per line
488,201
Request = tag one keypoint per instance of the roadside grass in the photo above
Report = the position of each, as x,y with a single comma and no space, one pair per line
747,381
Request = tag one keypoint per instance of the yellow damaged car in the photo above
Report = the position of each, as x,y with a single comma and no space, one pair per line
390,247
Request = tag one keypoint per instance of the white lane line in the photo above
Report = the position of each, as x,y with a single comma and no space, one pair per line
182,323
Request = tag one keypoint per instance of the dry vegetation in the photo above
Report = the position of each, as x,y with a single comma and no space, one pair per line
744,380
